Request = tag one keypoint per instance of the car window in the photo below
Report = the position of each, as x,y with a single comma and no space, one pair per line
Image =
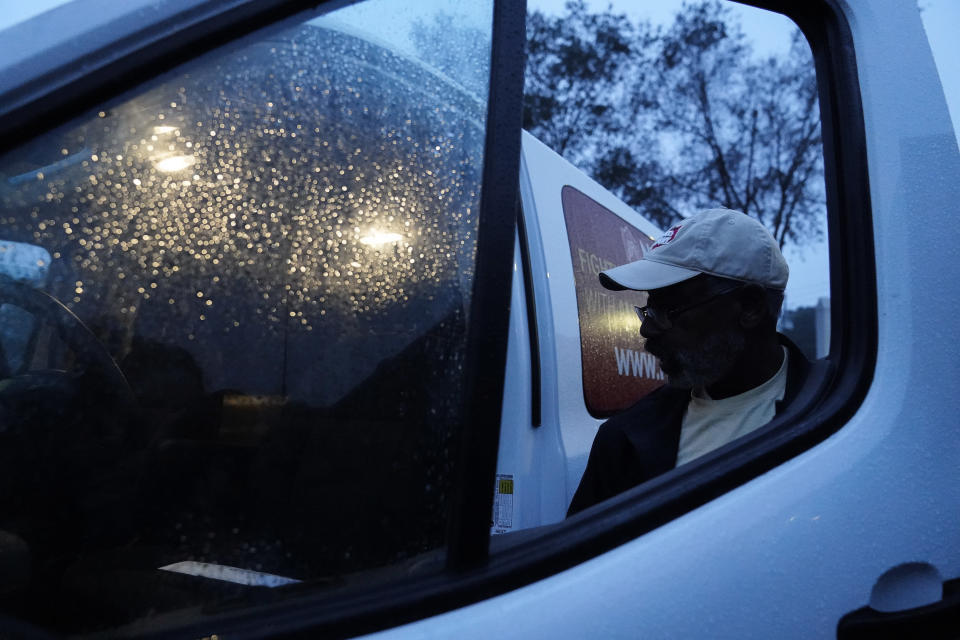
672,108
239,366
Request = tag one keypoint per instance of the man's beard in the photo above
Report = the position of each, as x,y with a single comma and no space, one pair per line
700,367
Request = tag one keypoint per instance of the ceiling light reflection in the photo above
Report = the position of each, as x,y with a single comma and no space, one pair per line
174,163
377,238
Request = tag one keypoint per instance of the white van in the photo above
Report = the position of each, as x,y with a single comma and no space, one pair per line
302,337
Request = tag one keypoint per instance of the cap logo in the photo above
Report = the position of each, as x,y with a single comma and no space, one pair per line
667,236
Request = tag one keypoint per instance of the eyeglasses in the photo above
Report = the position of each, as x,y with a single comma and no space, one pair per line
666,317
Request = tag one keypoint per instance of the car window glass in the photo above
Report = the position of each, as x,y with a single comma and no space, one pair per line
234,309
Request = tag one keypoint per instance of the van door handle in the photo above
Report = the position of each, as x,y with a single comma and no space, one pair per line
938,620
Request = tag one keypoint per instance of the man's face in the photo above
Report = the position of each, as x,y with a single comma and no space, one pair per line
699,346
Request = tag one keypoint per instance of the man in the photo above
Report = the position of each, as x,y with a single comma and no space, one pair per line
715,284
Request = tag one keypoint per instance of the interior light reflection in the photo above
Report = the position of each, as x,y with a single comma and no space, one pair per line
174,163
624,319
378,238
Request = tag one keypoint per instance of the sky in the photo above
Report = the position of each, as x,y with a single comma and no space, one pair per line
770,33
941,20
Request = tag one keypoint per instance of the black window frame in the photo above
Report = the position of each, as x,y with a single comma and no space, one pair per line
472,573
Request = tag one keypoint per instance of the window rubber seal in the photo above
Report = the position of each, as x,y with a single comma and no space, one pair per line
536,397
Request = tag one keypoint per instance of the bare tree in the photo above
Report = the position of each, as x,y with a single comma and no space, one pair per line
680,119
577,70
747,133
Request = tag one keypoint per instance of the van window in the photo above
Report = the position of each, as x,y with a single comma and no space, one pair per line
242,368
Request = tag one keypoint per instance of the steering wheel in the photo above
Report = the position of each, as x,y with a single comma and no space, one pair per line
75,334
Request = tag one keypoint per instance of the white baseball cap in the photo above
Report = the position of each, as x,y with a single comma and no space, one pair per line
719,242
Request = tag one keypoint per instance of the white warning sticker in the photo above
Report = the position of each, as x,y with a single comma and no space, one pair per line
502,520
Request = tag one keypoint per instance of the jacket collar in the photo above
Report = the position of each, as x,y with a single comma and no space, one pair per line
798,367
653,424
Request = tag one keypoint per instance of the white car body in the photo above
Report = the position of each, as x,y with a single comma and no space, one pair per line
791,551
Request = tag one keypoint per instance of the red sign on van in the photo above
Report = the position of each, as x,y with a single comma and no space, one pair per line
616,370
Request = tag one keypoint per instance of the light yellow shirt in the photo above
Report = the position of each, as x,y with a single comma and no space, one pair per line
709,424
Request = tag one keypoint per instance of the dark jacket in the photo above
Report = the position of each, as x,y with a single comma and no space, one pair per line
643,441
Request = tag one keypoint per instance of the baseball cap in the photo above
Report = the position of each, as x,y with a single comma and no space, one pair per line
719,242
